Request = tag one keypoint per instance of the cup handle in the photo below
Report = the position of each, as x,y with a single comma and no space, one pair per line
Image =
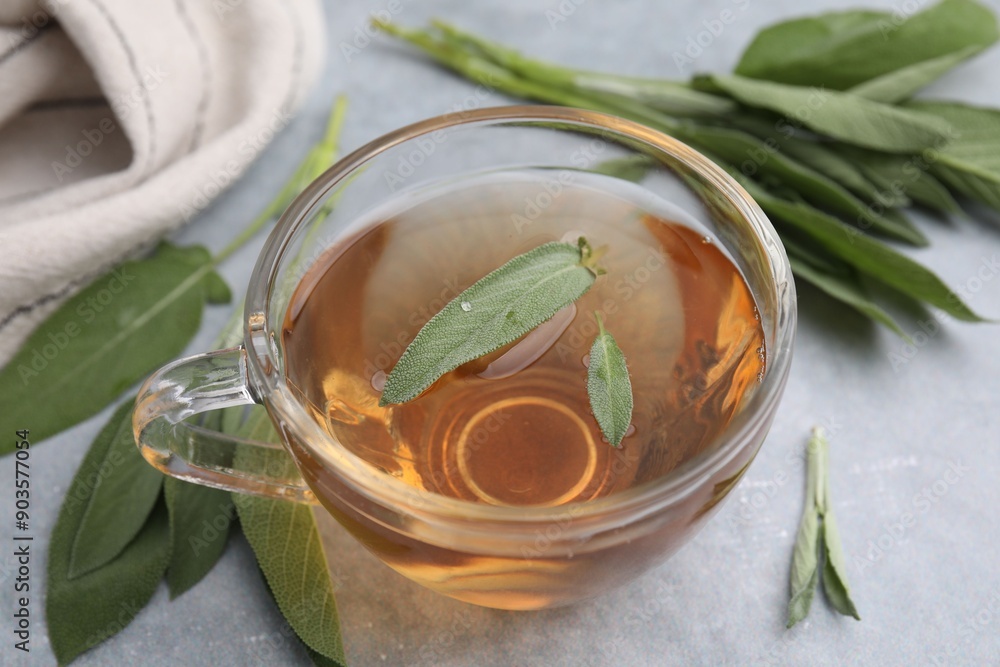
205,382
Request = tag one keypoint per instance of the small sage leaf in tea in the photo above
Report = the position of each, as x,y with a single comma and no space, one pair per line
496,310
609,386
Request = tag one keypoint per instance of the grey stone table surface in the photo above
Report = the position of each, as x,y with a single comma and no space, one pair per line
929,592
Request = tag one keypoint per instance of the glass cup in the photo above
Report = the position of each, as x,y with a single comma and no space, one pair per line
493,555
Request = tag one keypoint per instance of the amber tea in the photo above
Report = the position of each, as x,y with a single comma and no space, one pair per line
514,428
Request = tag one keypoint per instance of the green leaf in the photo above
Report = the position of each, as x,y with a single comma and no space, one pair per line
671,96
843,49
609,386
906,175
101,341
200,520
901,84
496,310
844,288
805,565
289,550
632,168
970,163
834,570
851,119
755,156
121,493
83,611
864,253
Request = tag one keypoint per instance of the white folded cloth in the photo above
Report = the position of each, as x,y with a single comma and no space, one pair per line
120,121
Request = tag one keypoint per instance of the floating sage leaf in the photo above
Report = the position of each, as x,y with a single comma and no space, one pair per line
85,610
123,492
851,119
200,520
901,84
496,310
609,386
840,50
289,549
108,336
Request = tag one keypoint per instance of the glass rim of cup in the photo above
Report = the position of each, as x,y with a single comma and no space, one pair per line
268,380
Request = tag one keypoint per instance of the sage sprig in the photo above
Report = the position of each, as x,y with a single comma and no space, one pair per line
609,386
506,304
494,311
815,121
817,544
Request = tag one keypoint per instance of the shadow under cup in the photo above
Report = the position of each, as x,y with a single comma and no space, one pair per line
527,557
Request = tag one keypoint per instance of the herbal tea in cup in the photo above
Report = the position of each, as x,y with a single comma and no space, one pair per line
520,372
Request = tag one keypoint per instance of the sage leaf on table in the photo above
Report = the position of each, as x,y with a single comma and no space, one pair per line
817,543
200,522
123,490
820,158
105,338
805,567
844,288
835,586
848,118
84,610
734,146
494,311
970,163
901,84
609,386
289,550
845,48
841,50
867,255
908,176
